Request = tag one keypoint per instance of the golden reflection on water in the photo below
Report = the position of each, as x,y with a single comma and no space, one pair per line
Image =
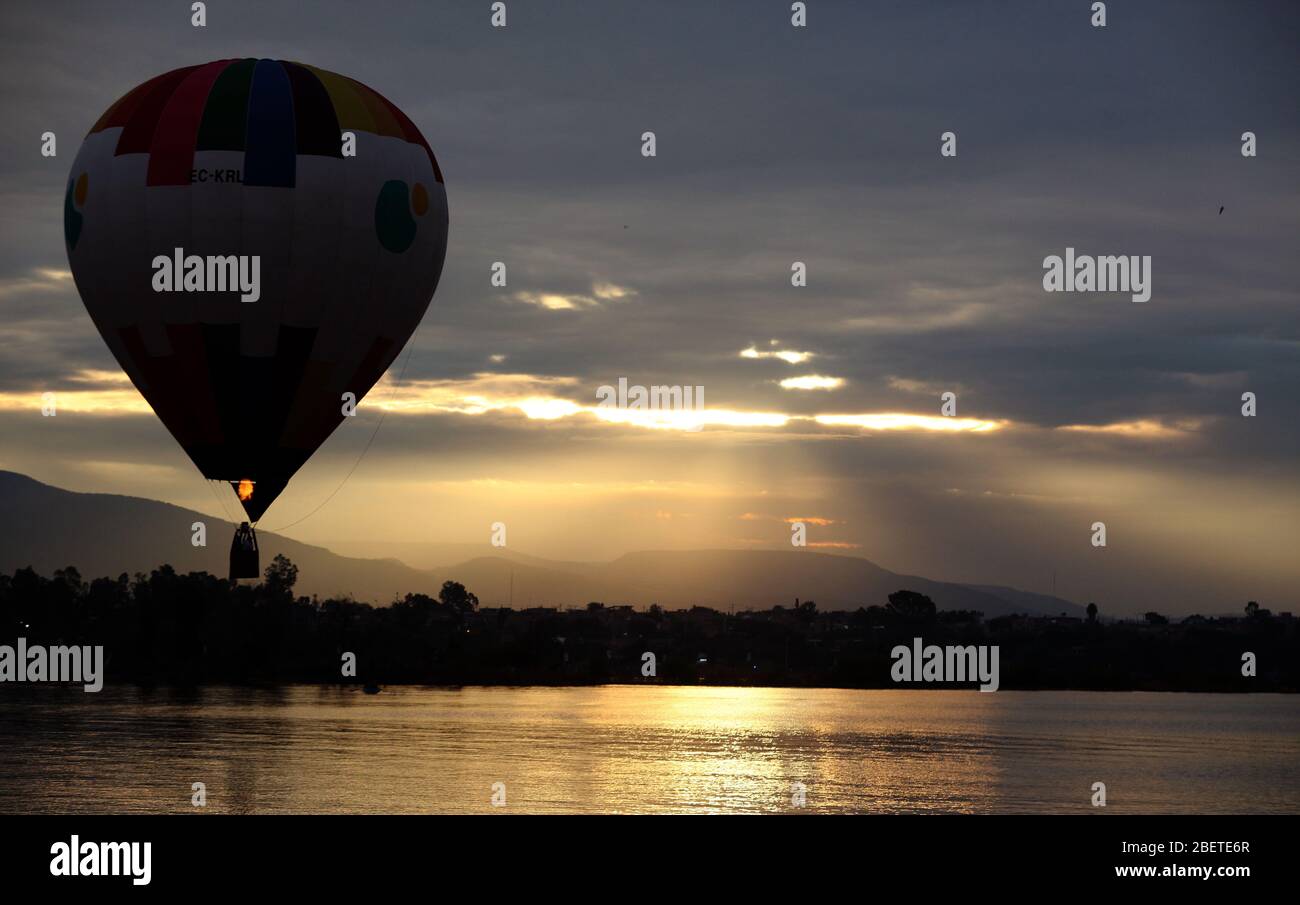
644,749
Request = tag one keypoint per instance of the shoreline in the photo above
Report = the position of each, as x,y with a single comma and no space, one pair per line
458,686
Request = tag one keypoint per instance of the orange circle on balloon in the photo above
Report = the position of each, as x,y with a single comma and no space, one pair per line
82,184
419,199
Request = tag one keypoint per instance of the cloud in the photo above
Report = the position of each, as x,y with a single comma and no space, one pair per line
38,280
536,397
559,301
554,301
1142,428
961,315
789,356
1221,380
903,421
812,382
930,387
607,292
92,392
789,520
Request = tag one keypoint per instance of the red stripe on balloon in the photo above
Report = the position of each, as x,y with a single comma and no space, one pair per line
409,130
138,130
120,112
171,152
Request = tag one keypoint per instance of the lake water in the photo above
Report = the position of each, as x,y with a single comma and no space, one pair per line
644,749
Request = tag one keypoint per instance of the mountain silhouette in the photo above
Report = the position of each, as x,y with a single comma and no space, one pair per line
48,528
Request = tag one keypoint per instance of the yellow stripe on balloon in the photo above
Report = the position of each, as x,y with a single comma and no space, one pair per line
351,110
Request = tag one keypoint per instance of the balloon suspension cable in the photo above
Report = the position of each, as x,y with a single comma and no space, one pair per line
220,502
410,346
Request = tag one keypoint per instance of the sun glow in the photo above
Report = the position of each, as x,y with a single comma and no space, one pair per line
549,398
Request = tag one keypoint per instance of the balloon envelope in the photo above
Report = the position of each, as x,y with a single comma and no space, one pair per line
210,167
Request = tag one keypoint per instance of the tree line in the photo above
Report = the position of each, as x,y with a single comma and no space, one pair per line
195,628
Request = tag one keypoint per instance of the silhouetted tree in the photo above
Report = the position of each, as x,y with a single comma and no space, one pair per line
1252,610
1255,611
1154,618
1092,612
421,602
71,579
911,605
454,595
281,575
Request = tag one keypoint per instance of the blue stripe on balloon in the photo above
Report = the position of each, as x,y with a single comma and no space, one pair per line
269,152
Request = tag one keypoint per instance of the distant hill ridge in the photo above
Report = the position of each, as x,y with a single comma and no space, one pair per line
104,534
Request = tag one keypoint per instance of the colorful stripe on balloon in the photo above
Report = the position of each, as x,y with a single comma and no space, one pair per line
271,110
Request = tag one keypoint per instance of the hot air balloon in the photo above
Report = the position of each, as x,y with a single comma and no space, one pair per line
208,175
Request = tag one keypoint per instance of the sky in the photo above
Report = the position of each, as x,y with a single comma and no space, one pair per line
774,144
